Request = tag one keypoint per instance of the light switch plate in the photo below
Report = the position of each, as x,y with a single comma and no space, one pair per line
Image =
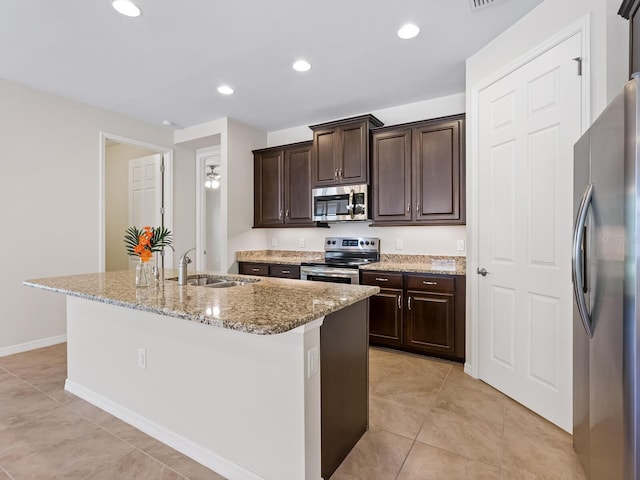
399,244
142,358
460,245
274,242
301,242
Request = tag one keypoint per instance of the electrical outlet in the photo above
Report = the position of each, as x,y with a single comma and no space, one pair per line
301,242
142,358
274,242
460,245
313,362
399,244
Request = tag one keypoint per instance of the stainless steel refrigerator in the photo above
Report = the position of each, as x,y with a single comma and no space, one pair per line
605,269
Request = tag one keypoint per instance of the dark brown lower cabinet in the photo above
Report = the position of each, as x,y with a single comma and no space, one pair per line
421,313
269,270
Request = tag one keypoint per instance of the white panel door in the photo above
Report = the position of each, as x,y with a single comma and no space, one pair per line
145,193
528,123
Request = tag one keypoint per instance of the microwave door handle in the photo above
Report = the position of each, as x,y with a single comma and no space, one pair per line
352,207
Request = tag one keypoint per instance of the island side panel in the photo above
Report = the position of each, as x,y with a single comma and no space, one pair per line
344,359
239,403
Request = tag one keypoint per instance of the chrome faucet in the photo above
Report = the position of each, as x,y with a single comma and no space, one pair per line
182,267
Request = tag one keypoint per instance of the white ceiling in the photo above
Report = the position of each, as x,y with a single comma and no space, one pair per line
167,63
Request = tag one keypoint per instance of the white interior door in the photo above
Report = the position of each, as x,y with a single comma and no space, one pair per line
528,123
145,193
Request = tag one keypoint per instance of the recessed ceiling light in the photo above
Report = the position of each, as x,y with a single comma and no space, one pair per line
168,123
225,90
408,31
126,7
302,66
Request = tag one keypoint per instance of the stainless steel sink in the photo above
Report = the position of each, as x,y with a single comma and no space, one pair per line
214,281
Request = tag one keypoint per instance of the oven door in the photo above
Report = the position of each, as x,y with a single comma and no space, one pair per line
330,274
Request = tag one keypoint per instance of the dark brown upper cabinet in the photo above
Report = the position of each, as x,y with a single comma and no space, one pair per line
629,10
418,173
341,151
282,186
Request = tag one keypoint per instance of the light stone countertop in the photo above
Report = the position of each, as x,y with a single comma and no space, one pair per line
268,306
441,265
287,257
438,264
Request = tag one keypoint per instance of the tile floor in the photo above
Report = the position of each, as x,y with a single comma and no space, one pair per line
428,420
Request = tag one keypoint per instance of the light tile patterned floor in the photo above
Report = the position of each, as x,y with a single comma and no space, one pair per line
428,420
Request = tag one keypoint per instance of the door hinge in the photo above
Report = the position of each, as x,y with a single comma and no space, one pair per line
161,210
579,60
162,167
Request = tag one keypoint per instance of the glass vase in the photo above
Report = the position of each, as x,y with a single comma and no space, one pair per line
143,274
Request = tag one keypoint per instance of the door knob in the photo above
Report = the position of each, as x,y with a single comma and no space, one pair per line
482,271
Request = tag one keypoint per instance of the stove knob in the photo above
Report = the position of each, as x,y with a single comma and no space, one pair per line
328,242
373,242
333,242
361,243
367,242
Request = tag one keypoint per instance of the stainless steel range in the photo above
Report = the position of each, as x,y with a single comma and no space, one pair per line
342,257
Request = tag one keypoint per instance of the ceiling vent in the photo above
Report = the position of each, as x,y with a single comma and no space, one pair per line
478,4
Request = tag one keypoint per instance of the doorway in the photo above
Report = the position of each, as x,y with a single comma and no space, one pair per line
210,224
116,154
527,121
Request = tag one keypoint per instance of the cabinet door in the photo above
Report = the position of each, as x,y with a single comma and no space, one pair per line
391,177
297,167
325,152
353,160
268,188
385,317
429,322
438,173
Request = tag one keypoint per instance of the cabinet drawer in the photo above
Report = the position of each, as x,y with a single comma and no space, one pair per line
383,280
260,269
430,283
284,271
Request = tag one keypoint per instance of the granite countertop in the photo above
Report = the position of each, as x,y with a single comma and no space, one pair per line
287,257
268,306
442,265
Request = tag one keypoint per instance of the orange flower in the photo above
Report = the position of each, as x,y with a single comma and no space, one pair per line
145,255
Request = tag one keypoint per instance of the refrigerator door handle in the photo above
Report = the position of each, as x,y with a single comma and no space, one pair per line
577,260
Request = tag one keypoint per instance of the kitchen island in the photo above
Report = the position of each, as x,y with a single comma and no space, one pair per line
266,380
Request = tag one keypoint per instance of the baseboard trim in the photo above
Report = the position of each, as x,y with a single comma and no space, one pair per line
192,450
25,347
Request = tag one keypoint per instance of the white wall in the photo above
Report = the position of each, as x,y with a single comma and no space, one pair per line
49,192
439,240
117,158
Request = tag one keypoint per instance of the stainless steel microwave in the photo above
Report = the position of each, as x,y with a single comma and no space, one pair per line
339,204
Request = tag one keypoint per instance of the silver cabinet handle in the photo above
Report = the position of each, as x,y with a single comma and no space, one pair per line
576,260
281,212
287,214
382,279
286,271
408,207
483,272
418,207
399,302
409,303
430,283
255,269
335,174
340,173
